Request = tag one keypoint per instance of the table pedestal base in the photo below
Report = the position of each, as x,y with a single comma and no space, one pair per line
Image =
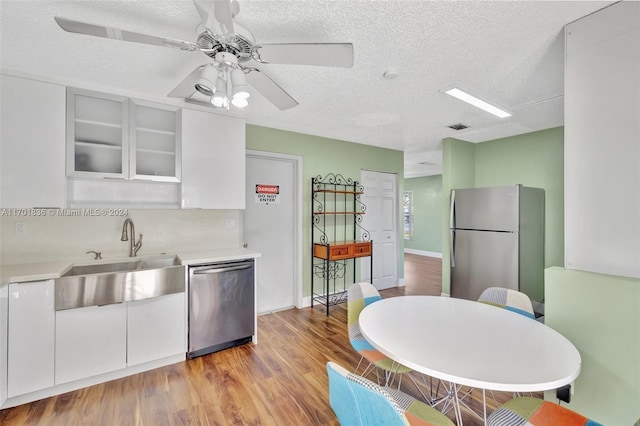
454,399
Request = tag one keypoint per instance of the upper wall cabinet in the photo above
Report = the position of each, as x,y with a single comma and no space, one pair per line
602,141
32,150
154,142
213,155
110,136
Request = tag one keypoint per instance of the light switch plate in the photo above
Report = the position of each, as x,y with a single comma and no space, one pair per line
21,228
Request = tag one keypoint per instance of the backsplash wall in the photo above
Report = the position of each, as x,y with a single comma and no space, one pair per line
54,238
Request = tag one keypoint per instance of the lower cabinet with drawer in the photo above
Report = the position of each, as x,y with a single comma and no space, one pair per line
90,341
99,339
53,351
30,337
156,328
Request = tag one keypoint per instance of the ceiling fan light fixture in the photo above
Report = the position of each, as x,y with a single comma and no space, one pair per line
240,90
239,102
220,98
206,82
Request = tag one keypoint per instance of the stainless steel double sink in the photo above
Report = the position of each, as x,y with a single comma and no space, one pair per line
116,282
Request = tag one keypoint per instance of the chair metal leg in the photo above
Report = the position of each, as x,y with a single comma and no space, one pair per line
456,406
358,366
484,406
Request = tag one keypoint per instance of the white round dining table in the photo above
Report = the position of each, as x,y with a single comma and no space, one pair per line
470,343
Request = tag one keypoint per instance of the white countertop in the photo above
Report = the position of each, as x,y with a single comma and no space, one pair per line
49,270
217,255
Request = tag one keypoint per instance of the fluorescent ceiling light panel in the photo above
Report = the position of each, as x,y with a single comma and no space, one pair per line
478,103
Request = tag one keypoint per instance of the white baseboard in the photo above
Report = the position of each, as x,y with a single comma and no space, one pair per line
423,253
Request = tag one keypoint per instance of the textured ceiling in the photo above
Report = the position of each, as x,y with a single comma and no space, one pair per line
510,52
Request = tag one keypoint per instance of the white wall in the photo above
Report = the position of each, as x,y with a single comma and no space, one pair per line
53,238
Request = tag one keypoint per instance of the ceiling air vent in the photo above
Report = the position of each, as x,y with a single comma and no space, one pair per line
458,126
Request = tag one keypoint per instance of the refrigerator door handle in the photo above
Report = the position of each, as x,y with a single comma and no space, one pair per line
452,248
452,216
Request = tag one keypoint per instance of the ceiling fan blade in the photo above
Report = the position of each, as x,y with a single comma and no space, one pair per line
117,34
187,88
270,89
323,54
216,15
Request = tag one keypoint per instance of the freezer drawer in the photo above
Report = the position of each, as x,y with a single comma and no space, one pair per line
221,306
482,259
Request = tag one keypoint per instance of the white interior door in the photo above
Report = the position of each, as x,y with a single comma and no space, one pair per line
380,197
271,227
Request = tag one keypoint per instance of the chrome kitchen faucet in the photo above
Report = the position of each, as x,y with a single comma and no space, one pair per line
133,245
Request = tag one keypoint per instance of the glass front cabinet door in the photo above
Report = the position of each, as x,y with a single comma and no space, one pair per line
154,142
97,135
114,137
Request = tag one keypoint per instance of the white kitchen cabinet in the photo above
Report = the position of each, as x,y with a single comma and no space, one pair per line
110,136
154,148
156,328
213,158
31,337
90,341
97,134
32,147
602,142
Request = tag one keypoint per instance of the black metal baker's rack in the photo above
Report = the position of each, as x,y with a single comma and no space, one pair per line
337,236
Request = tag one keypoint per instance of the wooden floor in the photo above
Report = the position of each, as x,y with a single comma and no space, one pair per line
280,381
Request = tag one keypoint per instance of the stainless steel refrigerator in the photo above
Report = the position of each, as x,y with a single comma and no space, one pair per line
497,240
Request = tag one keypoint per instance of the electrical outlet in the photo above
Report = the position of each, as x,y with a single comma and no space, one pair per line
229,224
21,228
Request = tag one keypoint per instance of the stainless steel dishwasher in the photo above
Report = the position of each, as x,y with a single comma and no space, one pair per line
221,306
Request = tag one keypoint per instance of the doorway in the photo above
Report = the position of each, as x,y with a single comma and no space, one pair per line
381,200
272,226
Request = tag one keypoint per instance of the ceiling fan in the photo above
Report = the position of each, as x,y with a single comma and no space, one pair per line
235,54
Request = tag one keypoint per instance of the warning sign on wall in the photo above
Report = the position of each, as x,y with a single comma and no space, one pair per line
267,194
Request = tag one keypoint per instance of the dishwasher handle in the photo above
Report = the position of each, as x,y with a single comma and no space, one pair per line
217,269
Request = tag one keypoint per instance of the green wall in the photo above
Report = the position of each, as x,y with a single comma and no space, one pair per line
427,213
458,171
599,314
533,159
322,156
